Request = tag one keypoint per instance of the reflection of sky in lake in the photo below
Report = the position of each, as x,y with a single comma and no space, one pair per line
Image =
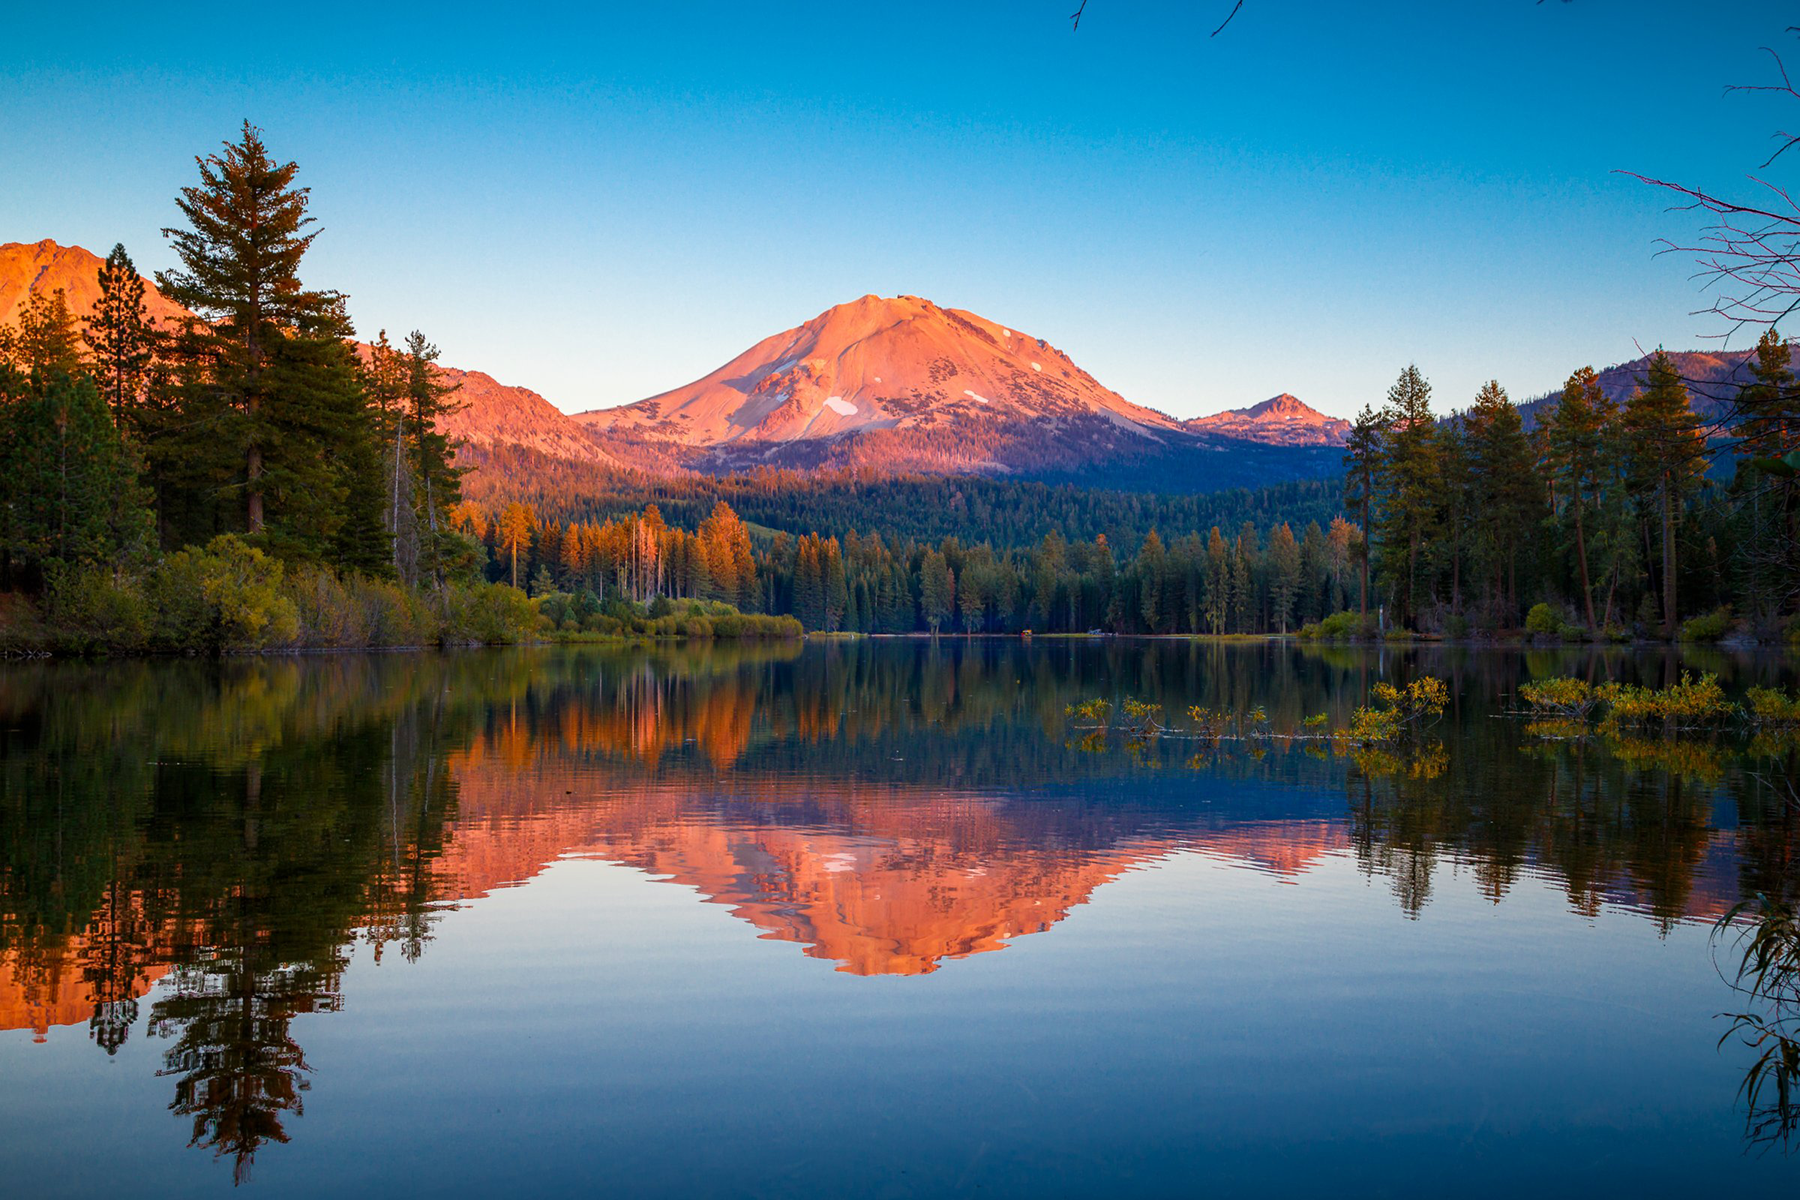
820,960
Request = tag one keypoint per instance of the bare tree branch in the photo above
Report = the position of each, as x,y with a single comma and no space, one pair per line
1749,259
1227,20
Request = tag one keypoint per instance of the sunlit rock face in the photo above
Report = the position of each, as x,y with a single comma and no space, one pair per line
1281,421
879,363
45,267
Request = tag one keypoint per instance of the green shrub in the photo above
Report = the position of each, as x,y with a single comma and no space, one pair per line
494,614
1545,620
1338,627
89,610
1708,628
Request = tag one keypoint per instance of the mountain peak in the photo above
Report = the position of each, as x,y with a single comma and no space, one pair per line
919,385
1280,420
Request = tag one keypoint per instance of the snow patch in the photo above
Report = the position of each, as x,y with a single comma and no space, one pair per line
1037,366
841,406
974,397
878,379
1007,332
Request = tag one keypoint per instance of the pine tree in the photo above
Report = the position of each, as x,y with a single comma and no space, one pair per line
70,490
47,338
1362,462
1506,494
1315,574
437,480
937,590
1410,482
837,592
122,340
258,376
1666,448
1152,563
1768,424
1217,604
516,525
1574,437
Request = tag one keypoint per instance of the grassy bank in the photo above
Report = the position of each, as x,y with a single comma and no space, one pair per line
231,598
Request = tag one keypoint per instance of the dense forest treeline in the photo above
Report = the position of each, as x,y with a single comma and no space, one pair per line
1009,513
1606,520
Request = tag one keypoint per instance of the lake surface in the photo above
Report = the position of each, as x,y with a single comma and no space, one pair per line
862,918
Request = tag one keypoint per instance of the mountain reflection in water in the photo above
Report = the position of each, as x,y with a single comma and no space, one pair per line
193,851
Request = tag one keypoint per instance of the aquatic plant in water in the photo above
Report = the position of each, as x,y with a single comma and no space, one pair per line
1768,978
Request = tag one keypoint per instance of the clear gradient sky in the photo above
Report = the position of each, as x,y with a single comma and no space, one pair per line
603,205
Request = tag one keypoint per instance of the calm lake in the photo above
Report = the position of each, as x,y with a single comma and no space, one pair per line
863,918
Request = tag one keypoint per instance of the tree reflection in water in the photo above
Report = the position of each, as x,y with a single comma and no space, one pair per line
204,845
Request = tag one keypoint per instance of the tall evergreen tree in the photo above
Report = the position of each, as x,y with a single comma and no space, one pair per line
1410,481
1768,426
1575,436
1666,447
47,338
122,340
436,477
70,491
267,389
1362,463
937,590
1284,574
1507,495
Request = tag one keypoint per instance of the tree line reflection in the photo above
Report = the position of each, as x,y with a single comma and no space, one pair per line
193,851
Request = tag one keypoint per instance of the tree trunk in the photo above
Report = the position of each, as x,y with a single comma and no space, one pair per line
1581,556
1365,560
1668,564
253,505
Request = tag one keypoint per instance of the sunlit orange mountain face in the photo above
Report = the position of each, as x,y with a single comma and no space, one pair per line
902,384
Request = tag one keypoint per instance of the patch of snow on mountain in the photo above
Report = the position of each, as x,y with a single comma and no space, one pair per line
1037,366
840,406
974,397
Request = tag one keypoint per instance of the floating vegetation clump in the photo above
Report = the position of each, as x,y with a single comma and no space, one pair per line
1771,708
1688,728
1563,698
1395,716
1398,713
1691,703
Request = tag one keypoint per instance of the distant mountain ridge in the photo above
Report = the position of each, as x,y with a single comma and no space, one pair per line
492,413
1713,378
892,386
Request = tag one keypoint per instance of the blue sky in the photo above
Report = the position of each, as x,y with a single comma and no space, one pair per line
602,206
